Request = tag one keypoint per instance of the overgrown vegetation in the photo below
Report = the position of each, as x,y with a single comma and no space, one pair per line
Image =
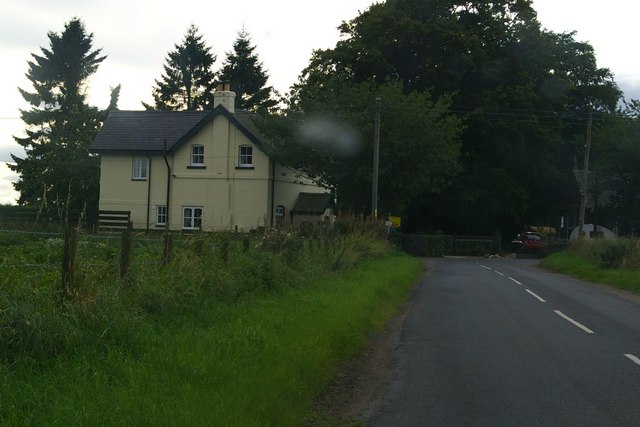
612,262
248,338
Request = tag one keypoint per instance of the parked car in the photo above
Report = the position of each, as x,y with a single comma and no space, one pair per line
527,242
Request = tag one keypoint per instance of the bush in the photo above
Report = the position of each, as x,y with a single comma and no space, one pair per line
605,253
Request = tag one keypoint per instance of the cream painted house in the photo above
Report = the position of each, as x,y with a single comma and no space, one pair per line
194,170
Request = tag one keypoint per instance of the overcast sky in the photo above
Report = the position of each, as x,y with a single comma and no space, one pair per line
137,34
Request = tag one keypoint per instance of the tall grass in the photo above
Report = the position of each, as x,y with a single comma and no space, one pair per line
249,341
612,262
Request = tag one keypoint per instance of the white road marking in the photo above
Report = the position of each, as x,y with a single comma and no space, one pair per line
633,358
578,324
536,296
485,267
514,280
499,273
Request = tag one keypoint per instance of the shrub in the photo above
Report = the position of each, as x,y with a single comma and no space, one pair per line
619,253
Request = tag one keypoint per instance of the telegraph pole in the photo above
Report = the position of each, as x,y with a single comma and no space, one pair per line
585,174
376,160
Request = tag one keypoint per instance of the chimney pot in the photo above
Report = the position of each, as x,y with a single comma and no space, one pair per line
223,95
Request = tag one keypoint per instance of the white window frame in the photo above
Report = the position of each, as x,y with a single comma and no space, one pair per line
140,169
161,216
197,158
191,221
279,214
245,156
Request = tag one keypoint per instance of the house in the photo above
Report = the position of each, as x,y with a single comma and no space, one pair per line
194,170
311,207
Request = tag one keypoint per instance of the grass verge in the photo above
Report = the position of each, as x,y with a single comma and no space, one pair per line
253,362
571,263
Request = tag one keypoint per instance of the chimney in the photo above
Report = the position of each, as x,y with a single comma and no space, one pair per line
224,96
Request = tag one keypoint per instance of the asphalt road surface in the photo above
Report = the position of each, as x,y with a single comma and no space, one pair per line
505,343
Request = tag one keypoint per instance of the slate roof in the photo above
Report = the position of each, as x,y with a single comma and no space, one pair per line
312,203
148,130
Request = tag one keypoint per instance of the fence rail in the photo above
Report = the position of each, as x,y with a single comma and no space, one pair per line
113,220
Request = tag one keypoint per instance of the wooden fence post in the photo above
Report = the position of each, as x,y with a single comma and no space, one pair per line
225,251
125,256
168,248
69,253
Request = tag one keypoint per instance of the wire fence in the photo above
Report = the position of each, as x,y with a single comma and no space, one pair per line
38,254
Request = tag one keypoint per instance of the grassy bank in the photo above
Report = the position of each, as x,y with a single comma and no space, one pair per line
611,262
203,355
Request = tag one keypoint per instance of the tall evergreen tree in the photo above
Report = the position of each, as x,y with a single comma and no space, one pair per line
58,174
188,81
248,79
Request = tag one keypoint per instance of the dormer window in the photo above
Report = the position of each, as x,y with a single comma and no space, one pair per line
197,156
245,158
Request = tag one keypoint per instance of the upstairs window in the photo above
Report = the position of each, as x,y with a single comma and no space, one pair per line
140,168
197,155
245,159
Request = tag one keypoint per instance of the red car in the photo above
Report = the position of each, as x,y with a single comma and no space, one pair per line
527,242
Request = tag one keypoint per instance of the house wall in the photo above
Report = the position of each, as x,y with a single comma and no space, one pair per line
230,196
118,190
288,184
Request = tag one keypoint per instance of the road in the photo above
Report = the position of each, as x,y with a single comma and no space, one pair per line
505,343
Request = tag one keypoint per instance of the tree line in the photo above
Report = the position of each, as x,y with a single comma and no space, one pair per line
483,121
483,116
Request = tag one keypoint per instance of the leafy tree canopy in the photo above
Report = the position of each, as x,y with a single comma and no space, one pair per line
615,181
329,136
243,69
58,174
188,80
522,91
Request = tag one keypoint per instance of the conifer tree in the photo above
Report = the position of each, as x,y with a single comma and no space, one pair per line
58,175
188,81
248,79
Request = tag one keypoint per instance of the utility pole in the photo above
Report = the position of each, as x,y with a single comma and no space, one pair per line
585,174
376,160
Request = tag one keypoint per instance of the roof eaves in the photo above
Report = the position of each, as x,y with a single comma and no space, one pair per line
195,129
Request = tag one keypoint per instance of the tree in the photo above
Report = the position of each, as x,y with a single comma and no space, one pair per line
328,136
188,80
615,182
245,72
57,174
523,93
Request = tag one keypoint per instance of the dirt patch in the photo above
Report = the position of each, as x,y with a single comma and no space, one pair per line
361,383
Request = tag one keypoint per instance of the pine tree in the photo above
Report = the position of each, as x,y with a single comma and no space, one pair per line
57,174
188,81
248,79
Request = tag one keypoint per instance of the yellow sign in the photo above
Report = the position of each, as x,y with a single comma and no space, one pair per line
395,221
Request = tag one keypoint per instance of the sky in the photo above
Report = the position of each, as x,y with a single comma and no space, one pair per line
136,36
